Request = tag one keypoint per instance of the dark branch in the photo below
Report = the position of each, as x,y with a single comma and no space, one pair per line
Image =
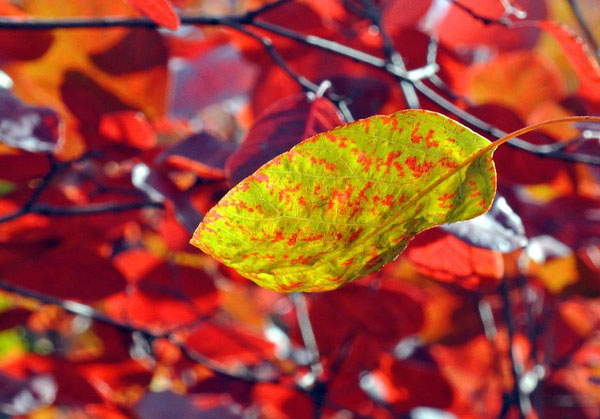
306,84
392,54
110,21
483,19
93,209
517,396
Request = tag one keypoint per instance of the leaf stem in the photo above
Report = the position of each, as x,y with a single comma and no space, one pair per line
537,126
490,148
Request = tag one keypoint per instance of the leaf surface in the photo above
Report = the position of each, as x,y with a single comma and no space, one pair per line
341,204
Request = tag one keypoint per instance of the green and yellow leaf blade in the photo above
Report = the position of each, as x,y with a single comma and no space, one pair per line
341,204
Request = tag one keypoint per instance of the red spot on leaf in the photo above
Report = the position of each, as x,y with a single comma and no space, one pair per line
348,262
355,235
418,169
364,161
414,135
292,240
428,140
388,201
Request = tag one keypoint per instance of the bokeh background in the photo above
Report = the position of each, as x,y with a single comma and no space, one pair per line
115,141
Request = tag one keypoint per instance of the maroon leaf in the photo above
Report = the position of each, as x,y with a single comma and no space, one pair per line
282,125
202,153
144,50
87,99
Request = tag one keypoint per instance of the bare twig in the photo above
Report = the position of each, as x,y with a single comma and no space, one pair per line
308,335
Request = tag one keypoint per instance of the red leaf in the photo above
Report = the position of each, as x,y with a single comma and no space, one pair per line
403,13
228,345
456,28
277,401
449,259
584,64
128,127
166,298
22,45
383,316
88,100
72,270
159,11
281,126
407,385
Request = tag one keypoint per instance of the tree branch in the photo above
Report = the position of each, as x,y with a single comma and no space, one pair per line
116,21
394,58
504,21
93,209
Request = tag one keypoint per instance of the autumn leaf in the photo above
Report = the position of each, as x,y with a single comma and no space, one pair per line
159,11
343,203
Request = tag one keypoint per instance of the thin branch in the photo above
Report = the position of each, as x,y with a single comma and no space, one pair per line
483,19
92,209
117,21
308,335
547,151
392,54
487,319
516,395
321,43
251,14
584,26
